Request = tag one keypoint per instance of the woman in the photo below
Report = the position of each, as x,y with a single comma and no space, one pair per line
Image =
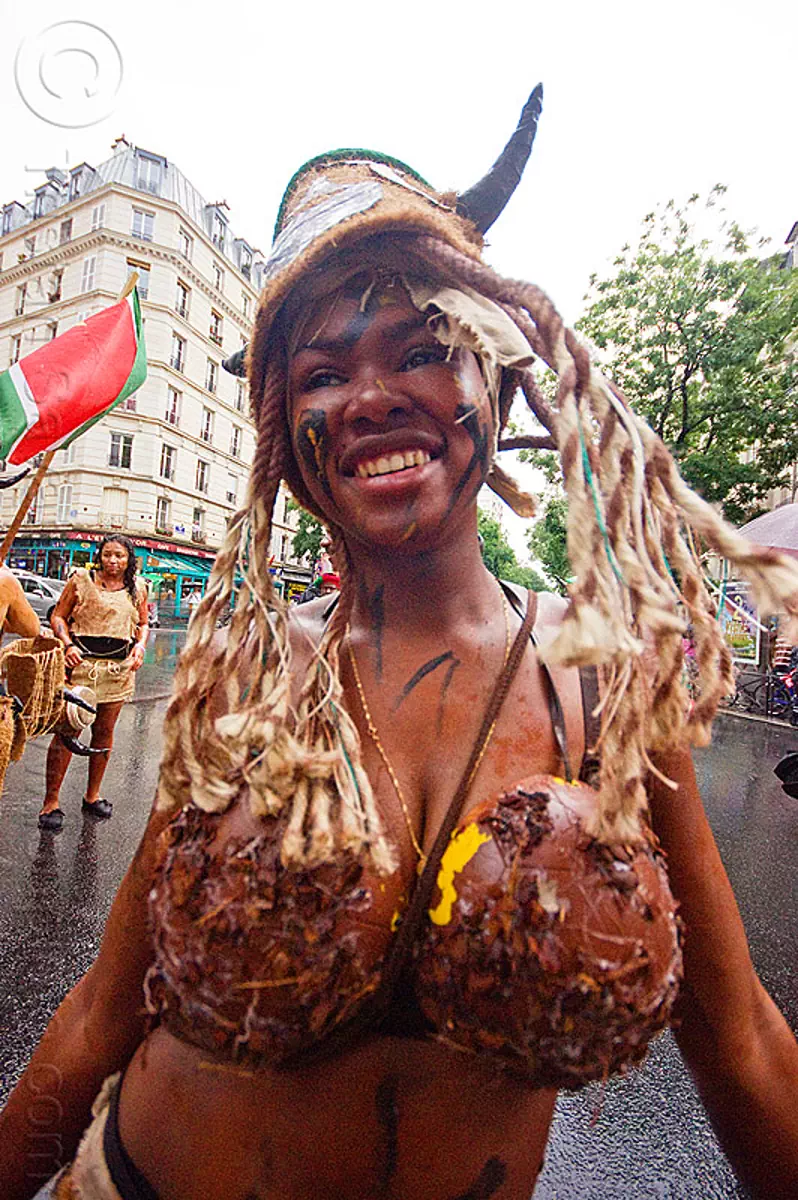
101,617
344,1000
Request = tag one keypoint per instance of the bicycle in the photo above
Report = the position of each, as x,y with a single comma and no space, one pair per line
778,695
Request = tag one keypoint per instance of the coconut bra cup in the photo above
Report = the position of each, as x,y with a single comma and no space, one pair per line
553,954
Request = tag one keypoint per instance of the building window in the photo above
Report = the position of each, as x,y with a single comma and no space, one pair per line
98,216
19,305
206,431
178,358
144,277
203,475
198,525
235,441
143,224
16,349
218,230
232,489
121,450
56,280
89,269
149,175
64,502
240,395
172,414
218,277
245,305
168,461
30,246
216,328
211,375
52,330
68,454
185,243
66,231
182,299
162,523
246,262
129,403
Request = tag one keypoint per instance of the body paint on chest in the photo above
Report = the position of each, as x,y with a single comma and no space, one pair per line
488,1182
312,444
422,673
374,604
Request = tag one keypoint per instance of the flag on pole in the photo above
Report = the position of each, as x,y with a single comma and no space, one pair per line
53,395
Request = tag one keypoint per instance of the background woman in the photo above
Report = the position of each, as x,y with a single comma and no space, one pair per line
343,1000
101,617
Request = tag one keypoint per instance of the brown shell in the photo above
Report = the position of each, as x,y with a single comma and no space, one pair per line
562,955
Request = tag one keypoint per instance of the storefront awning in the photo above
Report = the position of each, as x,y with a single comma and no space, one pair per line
164,562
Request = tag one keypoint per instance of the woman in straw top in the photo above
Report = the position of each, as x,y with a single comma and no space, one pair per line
101,617
400,875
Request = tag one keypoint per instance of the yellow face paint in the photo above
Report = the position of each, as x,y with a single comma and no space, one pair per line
458,853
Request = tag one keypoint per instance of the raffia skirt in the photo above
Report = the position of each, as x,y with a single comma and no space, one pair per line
112,680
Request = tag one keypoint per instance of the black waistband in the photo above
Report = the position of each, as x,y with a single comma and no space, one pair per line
125,1175
102,647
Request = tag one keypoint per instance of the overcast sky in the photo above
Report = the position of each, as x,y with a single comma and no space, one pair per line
642,102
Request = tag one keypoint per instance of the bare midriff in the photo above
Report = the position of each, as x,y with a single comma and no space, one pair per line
390,1117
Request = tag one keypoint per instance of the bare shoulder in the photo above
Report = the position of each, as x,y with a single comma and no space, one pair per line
9,584
551,607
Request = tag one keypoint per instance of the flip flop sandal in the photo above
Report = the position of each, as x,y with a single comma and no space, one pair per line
101,809
52,820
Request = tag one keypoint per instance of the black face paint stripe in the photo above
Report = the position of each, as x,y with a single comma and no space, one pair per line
312,442
420,674
468,417
490,1179
388,1117
377,611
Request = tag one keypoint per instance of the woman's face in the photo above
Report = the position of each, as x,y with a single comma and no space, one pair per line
113,558
393,434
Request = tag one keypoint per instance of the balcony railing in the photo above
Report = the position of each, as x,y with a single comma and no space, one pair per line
198,535
111,520
165,530
215,337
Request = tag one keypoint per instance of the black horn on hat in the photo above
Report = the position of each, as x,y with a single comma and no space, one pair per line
236,363
12,479
484,202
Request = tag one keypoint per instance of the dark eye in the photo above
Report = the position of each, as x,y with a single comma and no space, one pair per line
322,378
420,356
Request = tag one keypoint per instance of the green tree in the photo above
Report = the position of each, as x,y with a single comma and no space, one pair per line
547,541
310,533
700,340
499,556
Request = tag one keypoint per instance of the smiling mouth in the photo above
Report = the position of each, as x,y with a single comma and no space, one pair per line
390,464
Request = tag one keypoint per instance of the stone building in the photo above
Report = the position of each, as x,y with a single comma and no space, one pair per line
168,466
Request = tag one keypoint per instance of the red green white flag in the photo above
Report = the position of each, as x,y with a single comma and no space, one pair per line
55,394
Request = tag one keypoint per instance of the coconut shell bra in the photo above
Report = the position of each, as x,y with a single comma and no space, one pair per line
541,949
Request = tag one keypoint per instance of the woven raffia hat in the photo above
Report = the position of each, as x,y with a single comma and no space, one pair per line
341,198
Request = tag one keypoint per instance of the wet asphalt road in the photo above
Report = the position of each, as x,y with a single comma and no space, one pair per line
643,1138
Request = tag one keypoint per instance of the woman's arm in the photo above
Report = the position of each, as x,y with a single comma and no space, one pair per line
59,622
19,616
142,630
739,1048
94,1032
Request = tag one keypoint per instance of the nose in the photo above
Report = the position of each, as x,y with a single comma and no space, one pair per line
372,402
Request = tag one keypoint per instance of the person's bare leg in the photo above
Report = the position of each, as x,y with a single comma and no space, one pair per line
58,759
102,738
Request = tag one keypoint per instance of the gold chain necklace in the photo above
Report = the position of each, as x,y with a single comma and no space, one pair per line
373,732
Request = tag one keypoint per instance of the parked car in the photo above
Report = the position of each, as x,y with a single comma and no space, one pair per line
40,592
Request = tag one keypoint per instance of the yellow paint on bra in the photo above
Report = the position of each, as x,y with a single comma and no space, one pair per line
461,849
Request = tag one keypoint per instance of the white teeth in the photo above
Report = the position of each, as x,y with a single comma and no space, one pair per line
396,462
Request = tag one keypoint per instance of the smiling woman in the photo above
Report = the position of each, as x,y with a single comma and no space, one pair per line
404,876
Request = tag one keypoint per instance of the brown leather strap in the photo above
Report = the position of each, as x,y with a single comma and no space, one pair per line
588,680
375,1009
419,901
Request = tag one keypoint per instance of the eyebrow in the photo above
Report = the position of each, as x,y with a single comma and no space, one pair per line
396,333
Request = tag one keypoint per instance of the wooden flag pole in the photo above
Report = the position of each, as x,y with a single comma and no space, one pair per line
35,483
